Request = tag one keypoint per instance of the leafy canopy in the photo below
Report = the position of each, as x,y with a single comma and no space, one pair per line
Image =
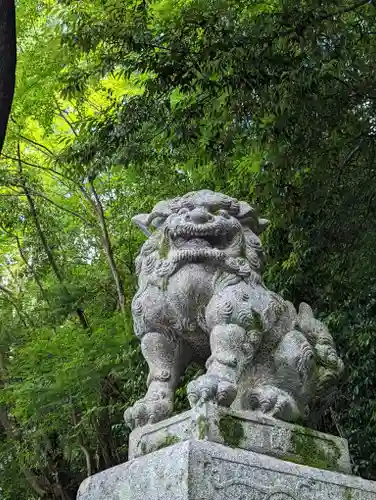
121,104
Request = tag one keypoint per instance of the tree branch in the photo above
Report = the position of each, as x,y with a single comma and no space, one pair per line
39,146
41,195
314,20
11,299
62,115
29,267
34,165
345,10
57,205
13,434
98,208
34,482
6,290
87,458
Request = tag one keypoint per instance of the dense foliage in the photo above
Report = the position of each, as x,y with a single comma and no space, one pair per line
120,104
7,62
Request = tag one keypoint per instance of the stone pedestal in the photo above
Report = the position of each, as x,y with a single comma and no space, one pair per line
202,470
251,431
222,455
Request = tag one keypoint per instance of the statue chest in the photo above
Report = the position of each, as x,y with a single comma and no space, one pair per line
188,292
191,286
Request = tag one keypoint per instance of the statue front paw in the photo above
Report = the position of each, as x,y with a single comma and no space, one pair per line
211,388
155,406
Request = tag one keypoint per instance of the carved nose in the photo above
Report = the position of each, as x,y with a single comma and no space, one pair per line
199,216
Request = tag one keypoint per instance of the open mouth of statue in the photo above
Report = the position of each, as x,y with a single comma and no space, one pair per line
200,236
191,242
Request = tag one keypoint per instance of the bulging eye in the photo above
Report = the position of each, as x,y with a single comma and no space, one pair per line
189,205
183,211
223,213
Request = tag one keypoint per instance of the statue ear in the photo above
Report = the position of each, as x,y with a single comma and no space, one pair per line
246,211
157,222
263,224
142,222
247,216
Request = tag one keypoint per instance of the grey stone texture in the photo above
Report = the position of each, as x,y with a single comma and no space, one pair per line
201,299
202,470
251,431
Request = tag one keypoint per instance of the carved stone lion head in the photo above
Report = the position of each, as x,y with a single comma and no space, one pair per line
201,226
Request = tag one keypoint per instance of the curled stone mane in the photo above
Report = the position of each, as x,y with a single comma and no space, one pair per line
241,254
200,298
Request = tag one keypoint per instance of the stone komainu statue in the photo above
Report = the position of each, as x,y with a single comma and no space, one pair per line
201,299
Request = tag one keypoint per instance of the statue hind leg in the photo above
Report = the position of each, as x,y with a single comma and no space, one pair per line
283,391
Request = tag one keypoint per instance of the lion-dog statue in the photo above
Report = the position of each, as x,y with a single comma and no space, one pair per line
201,299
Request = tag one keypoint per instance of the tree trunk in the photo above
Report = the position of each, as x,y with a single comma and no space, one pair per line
81,444
97,204
29,266
102,426
12,300
31,269
46,246
50,256
7,63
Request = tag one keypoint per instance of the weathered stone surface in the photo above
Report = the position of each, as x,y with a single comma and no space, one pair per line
202,470
246,430
201,298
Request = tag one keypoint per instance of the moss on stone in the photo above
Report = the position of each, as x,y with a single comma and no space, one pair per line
309,452
164,283
143,448
169,440
257,321
231,430
347,495
163,247
202,427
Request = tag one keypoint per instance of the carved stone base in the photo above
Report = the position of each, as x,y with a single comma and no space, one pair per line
251,431
203,470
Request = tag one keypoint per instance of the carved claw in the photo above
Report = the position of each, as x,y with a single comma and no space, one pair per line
151,409
211,388
274,402
193,399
